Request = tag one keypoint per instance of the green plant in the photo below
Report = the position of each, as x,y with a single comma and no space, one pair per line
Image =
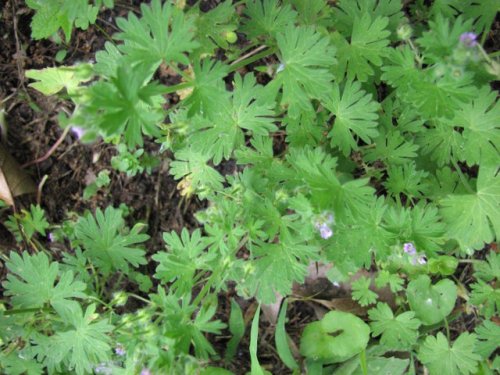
365,136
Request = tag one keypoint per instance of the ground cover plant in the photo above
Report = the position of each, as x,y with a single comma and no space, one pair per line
338,160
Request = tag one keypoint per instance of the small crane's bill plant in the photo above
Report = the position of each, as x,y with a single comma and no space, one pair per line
365,135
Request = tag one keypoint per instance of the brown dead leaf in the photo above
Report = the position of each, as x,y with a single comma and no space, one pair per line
13,180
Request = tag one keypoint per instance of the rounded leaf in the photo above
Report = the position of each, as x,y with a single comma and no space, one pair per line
335,338
431,303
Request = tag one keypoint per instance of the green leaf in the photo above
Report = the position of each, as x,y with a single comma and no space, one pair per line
256,369
306,56
198,176
361,291
81,347
392,148
53,80
30,222
126,105
490,269
366,49
34,281
51,15
224,132
281,339
481,130
473,218
431,303
437,355
484,12
185,256
276,267
488,334
346,12
444,265
107,243
486,297
237,329
266,18
385,277
162,34
213,27
208,88
355,115
406,179
442,39
335,338
399,332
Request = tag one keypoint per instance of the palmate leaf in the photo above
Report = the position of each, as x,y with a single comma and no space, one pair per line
473,218
486,298
200,177
208,88
185,256
213,26
392,148
437,355
483,12
125,105
51,15
421,225
432,93
481,129
488,338
306,56
242,115
105,242
266,18
355,115
347,10
79,348
361,291
162,34
442,39
276,267
34,281
488,270
366,49
399,332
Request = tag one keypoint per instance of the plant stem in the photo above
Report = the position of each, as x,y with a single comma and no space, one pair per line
240,64
23,311
447,329
462,177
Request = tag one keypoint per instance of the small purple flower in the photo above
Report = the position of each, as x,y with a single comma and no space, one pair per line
78,132
323,223
325,231
51,237
120,350
146,371
468,39
409,248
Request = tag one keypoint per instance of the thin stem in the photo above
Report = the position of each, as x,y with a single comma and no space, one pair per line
462,177
51,150
138,297
235,66
251,53
494,54
24,311
447,329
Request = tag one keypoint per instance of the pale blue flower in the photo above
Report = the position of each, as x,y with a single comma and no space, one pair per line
409,248
468,39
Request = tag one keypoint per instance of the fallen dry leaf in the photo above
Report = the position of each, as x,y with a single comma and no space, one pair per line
13,180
